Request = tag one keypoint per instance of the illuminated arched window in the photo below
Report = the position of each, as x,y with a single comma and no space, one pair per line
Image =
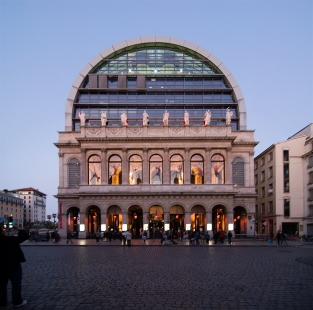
156,169
135,170
177,170
238,171
73,173
196,168
115,170
94,167
218,169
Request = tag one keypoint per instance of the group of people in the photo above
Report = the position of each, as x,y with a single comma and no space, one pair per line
220,236
281,237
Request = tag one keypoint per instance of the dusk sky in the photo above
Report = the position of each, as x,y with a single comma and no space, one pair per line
266,44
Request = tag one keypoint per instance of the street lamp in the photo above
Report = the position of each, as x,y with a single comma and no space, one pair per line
54,216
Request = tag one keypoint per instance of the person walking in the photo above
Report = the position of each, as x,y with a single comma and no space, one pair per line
10,266
69,237
222,236
207,237
229,237
144,236
283,238
128,238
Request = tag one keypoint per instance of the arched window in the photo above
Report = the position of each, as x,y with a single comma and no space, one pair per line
135,170
115,170
238,171
94,166
218,169
177,170
196,168
73,173
156,169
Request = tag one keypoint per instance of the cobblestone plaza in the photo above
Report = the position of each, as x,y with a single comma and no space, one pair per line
168,277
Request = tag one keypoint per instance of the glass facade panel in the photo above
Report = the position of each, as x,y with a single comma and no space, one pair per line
135,170
94,165
156,169
177,170
115,170
196,168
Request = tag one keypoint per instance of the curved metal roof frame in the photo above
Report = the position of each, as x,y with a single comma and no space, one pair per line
154,39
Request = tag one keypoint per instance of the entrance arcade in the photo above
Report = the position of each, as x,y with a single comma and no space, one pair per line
240,221
197,218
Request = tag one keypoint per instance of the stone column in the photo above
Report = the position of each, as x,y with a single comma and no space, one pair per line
187,220
229,219
124,167
83,166
83,220
145,219
125,218
166,168
103,218
208,219
228,174
187,166
104,167
62,168
145,167
207,165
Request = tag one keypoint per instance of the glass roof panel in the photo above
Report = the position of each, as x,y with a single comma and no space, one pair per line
147,60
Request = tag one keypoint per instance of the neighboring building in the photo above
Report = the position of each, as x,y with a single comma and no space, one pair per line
11,204
34,205
284,183
188,164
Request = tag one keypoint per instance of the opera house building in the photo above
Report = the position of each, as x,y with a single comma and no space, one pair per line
155,138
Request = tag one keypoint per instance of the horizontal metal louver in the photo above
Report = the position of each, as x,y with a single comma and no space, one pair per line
238,172
73,173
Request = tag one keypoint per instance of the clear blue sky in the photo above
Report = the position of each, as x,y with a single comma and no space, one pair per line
266,44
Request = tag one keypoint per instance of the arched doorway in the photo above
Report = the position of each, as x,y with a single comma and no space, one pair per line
218,218
177,219
197,218
114,219
94,220
156,221
135,221
240,220
73,220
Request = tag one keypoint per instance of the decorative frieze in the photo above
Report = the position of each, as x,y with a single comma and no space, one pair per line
93,132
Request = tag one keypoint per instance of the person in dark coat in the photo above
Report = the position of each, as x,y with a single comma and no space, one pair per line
10,266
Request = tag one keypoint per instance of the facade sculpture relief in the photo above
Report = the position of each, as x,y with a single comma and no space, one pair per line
229,114
82,117
207,118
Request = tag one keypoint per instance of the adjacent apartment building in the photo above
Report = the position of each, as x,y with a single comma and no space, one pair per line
11,205
283,177
34,203
155,138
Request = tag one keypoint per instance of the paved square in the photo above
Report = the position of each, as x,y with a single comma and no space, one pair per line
154,277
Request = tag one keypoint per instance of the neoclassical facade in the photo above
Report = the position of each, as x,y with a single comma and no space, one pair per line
155,137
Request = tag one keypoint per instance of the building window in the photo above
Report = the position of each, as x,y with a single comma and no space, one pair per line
286,155
135,170
310,194
196,169
310,162
177,169
255,165
217,172
262,176
286,178
270,189
73,173
115,170
311,177
286,207
156,169
270,207
94,166
256,181
270,156
262,192
238,171
263,208
263,161
270,172
256,209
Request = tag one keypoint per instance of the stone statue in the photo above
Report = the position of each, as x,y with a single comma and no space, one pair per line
124,119
186,118
82,117
166,116
145,118
104,118
207,118
229,114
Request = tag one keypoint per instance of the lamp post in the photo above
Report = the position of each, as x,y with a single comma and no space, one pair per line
54,216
